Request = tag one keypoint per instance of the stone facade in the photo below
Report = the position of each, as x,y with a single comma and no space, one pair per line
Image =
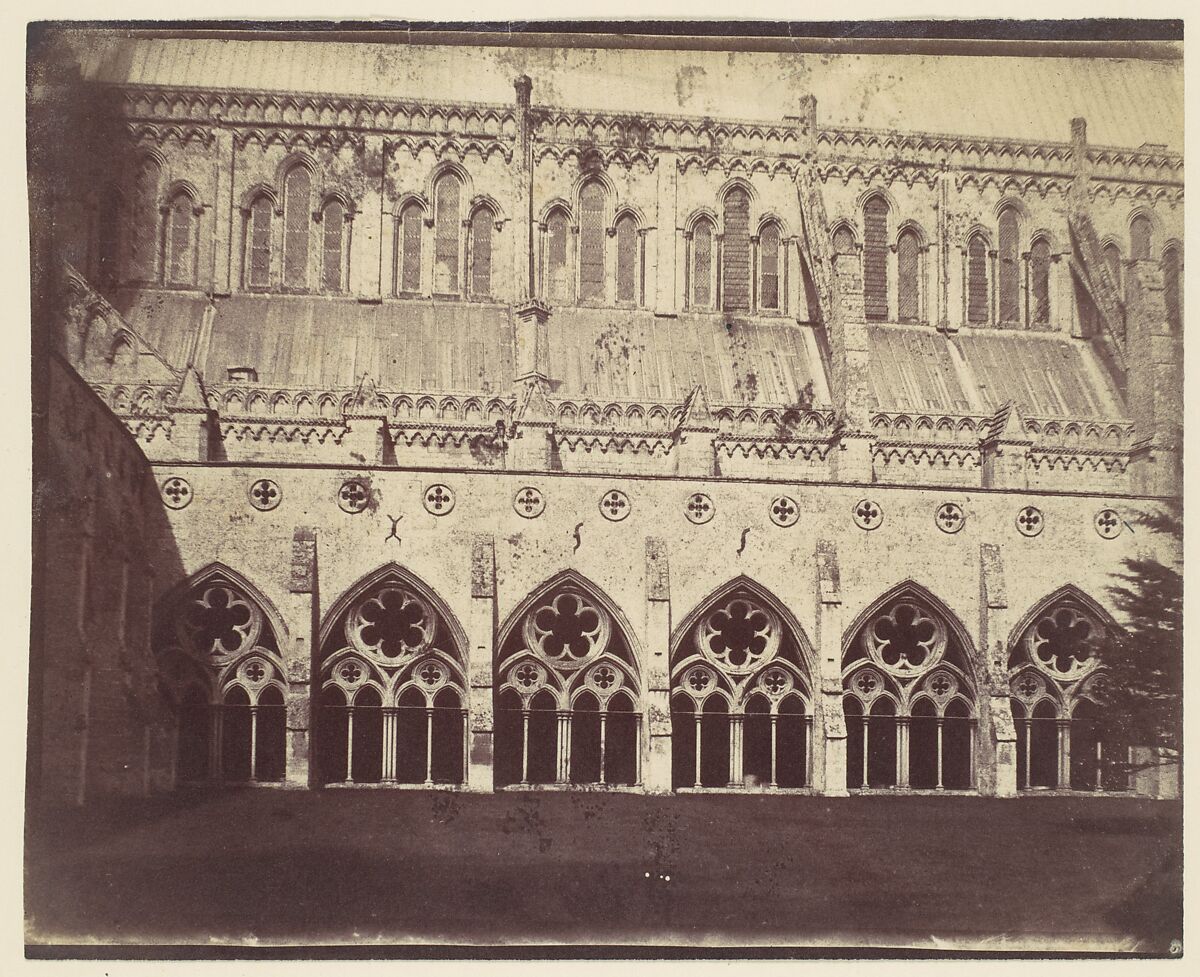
676,371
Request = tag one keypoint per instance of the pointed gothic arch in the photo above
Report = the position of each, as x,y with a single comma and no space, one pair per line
392,691
219,640
910,683
568,689
1055,666
742,692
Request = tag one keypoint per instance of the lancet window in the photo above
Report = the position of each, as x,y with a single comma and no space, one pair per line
391,705
567,695
909,700
741,702
223,669
1056,683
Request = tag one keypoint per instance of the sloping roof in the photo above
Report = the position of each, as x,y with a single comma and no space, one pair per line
919,369
608,354
1127,102
316,342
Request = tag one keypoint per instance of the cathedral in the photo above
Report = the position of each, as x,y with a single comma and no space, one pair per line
484,416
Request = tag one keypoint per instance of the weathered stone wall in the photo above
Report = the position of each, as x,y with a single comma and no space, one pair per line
106,553
219,524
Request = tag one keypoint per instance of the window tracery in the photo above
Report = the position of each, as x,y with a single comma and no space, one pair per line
769,286
407,270
222,664
567,696
741,713
735,252
909,700
1056,676
977,281
297,216
875,258
392,697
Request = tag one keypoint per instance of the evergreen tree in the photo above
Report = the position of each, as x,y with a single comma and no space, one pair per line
1143,690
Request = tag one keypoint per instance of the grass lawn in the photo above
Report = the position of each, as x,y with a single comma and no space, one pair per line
337,866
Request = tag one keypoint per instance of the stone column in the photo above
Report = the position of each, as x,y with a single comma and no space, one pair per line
656,750
996,746
829,756
481,632
301,611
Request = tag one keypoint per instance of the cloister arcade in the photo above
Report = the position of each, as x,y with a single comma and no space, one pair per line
391,694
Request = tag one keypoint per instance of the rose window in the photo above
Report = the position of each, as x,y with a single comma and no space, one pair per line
220,623
1063,643
567,630
393,624
906,640
738,636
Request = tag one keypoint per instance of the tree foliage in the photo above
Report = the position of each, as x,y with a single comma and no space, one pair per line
1143,691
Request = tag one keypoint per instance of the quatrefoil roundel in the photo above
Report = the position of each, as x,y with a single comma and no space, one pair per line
950,518
739,636
699,681
567,631
1027,687
265,494
353,496
699,508
906,640
1063,643
1108,523
604,679
784,511
614,505
439,499
217,624
941,684
351,672
529,503
867,684
527,677
431,673
868,514
1030,521
776,681
391,625
176,492
255,671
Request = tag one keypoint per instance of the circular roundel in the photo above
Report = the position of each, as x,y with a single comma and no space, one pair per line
353,495
255,671
942,685
527,677
699,508
439,499
529,502
776,681
176,492
868,514
784,511
699,680
1030,521
604,679
950,518
1108,523
1027,687
868,684
265,494
351,672
432,673
614,505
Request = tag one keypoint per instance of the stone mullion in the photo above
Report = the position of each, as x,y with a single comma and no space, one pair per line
428,745
524,744
736,773
603,744
215,726
254,742
940,723
349,744
389,745
902,729
774,747
1064,753
699,731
